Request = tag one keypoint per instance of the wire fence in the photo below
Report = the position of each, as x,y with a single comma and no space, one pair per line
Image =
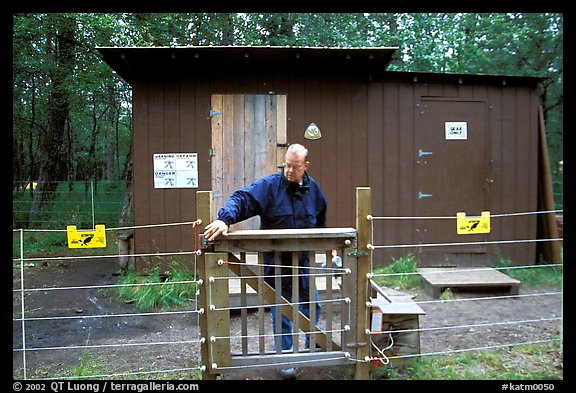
79,203
179,351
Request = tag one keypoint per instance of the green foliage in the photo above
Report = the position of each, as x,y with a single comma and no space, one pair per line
75,203
98,124
539,276
158,290
528,362
394,275
447,294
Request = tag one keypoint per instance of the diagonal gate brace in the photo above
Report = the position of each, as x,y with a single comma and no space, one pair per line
269,294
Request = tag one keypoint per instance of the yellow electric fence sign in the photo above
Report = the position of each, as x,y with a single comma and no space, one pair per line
472,225
86,238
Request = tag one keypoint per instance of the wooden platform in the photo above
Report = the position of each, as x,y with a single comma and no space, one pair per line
436,280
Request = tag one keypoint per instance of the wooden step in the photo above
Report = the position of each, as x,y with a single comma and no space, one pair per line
437,279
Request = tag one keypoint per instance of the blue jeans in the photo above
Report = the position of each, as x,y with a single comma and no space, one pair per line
286,283
287,324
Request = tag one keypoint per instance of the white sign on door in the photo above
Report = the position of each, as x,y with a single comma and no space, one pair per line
176,170
457,130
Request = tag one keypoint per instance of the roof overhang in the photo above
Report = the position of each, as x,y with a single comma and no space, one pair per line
131,61
460,78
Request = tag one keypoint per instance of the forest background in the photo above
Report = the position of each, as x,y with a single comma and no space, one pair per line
71,118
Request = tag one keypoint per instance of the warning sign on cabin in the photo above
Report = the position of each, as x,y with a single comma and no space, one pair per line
472,225
176,170
95,238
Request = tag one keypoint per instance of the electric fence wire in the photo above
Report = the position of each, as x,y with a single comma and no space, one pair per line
199,340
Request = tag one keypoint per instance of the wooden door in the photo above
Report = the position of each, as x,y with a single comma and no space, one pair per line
451,176
248,142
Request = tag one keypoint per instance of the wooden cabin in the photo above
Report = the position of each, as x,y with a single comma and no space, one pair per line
430,145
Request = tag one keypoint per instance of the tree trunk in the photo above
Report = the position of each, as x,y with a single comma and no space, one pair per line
128,177
52,159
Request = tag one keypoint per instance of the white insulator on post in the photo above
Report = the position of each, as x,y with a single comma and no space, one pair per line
201,311
212,307
369,246
220,262
347,242
213,339
369,217
200,282
214,366
211,279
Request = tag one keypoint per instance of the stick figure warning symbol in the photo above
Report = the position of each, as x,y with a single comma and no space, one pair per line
86,238
472,225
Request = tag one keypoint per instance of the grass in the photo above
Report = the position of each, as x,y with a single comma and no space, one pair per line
529,362
155,290
402,274
545,275
394,275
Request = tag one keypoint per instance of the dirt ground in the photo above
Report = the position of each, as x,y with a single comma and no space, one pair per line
75,334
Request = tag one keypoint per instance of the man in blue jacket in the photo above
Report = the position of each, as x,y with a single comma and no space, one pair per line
287,200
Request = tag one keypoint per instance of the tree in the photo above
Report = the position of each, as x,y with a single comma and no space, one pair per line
64,95
61,52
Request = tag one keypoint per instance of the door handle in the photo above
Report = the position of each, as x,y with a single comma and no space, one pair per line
422,195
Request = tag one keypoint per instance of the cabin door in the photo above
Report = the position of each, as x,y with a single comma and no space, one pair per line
248,142
451,176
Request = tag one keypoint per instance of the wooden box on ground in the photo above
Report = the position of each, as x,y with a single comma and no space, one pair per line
399,328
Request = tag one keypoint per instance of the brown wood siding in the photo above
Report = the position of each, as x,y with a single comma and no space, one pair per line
142,171
367,140
512,157
187,143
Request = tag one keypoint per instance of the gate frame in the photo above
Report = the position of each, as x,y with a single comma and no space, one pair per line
214,304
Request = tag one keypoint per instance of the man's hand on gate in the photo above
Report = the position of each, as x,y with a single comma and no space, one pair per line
215,229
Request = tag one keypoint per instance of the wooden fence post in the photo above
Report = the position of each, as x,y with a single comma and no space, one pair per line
203,213
364,233
218,311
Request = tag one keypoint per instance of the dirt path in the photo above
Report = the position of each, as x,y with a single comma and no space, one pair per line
154,334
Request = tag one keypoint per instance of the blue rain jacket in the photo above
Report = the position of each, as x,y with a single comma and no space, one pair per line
281,205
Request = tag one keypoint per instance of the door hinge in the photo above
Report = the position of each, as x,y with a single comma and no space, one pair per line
212,151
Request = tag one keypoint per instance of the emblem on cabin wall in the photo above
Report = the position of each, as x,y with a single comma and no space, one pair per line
312,132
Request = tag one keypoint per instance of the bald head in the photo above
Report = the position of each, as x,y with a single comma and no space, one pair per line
296,162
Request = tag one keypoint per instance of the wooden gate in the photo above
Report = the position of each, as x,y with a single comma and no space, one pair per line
248,142
338,339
